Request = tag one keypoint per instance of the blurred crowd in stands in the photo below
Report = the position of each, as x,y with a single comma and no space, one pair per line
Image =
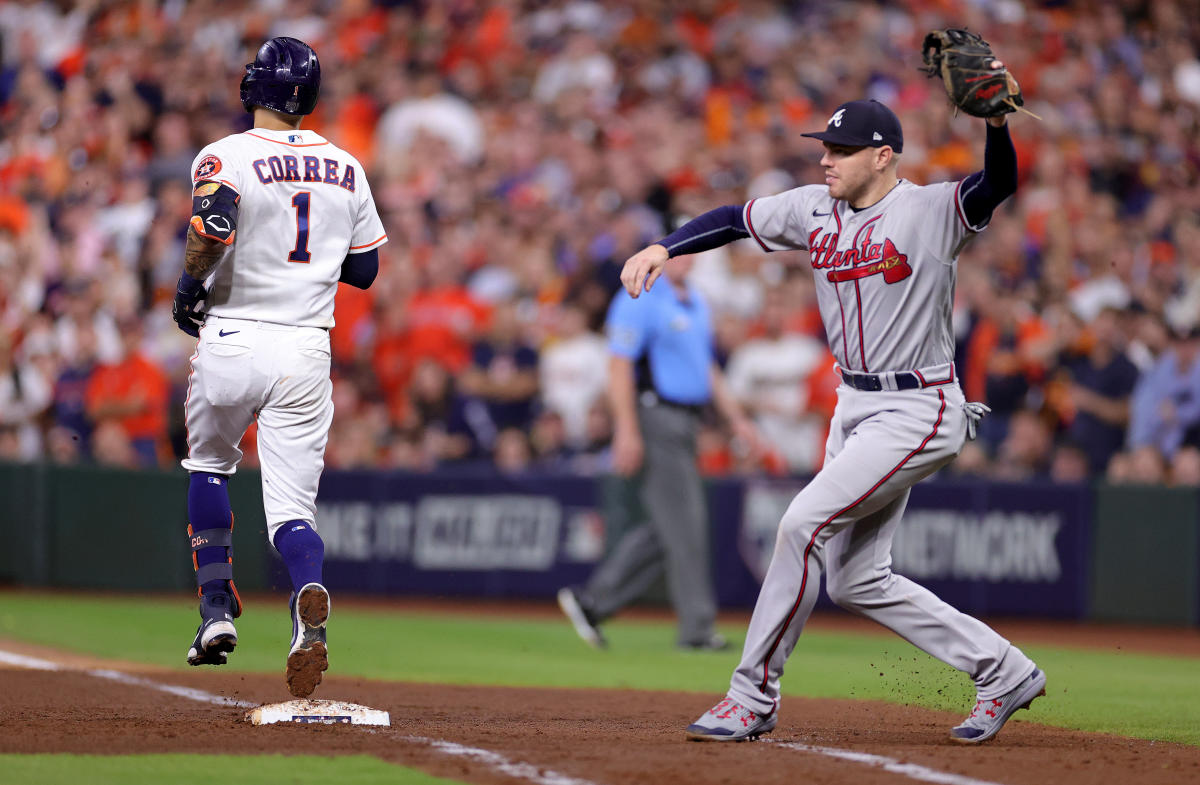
521,150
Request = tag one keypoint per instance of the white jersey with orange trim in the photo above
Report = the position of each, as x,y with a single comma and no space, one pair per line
304,204
884,274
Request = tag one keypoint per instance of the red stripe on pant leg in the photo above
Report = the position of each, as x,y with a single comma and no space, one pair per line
813,540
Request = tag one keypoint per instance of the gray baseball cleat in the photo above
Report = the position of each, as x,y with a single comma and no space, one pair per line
309,655
730,721
585,624
989,716
216,636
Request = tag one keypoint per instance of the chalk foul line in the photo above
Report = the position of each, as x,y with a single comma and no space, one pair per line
487,758
912,770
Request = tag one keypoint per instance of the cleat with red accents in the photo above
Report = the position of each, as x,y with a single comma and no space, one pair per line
989,716
730,721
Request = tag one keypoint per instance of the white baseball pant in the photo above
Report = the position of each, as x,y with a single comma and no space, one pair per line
279,374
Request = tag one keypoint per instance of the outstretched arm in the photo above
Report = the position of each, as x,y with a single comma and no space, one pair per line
712,230
983,191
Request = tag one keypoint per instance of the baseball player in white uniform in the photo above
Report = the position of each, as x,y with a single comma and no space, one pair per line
884,253
280,215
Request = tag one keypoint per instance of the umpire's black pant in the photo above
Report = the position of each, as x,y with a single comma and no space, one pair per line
675,535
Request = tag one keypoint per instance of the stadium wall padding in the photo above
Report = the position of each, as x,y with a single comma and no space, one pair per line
1144,564
84,527
1119,553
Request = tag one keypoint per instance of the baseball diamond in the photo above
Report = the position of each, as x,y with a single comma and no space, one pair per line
547,392
56,701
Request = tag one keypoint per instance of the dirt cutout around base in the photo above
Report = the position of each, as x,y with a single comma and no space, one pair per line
606,737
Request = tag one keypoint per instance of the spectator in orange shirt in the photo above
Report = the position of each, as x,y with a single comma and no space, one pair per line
443,317
133,394
1002,362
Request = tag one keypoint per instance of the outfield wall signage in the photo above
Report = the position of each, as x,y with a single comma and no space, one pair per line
986,548
983,547
472,534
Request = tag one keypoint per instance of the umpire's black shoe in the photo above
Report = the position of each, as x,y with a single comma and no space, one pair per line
714,642
585,623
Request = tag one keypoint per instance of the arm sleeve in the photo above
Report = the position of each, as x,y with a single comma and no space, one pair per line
359,269
982,192
711,230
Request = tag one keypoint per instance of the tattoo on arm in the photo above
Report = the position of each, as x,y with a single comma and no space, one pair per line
201,255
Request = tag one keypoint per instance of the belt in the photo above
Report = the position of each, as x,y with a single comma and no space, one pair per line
651,398
899,380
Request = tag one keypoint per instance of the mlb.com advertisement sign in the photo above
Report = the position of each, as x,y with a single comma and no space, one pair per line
983,547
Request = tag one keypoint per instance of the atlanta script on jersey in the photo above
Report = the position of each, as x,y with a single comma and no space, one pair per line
309,205
885,273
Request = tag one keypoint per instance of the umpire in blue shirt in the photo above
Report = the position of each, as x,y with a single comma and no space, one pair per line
661,376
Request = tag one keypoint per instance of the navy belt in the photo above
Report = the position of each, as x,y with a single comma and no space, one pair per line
871,382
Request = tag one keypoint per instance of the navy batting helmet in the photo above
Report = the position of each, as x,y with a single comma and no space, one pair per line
285,76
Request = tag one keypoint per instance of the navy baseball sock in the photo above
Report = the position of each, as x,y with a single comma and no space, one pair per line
209,511
302,550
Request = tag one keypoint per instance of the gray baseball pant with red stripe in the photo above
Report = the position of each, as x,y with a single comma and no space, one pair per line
880,444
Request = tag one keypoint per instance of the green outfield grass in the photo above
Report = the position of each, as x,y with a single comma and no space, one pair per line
234,770
1139,695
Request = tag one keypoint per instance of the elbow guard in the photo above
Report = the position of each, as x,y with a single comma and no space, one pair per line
215,211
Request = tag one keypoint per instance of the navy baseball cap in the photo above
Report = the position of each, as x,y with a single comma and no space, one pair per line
863,124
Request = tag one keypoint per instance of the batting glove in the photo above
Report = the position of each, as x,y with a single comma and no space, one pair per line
975,412
188,293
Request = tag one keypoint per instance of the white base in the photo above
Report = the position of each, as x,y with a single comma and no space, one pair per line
319,712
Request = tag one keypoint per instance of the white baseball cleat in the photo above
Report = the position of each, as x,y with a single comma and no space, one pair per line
214,640
730,721
216,636
989,716
309,655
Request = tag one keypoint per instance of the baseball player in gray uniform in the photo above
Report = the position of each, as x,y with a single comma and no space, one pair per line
884,252
280,215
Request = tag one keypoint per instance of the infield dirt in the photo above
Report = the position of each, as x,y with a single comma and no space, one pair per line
605,737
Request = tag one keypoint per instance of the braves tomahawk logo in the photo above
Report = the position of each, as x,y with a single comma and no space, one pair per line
861,260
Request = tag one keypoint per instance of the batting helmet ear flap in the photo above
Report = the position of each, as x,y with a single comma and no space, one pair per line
285,76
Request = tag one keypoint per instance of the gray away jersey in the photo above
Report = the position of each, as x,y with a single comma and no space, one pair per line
884,274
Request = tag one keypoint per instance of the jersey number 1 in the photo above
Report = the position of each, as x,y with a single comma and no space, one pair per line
300,253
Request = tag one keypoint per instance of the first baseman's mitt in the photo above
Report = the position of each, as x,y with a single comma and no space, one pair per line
964,61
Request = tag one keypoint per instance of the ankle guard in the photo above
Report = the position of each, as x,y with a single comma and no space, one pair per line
219,606
215,571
